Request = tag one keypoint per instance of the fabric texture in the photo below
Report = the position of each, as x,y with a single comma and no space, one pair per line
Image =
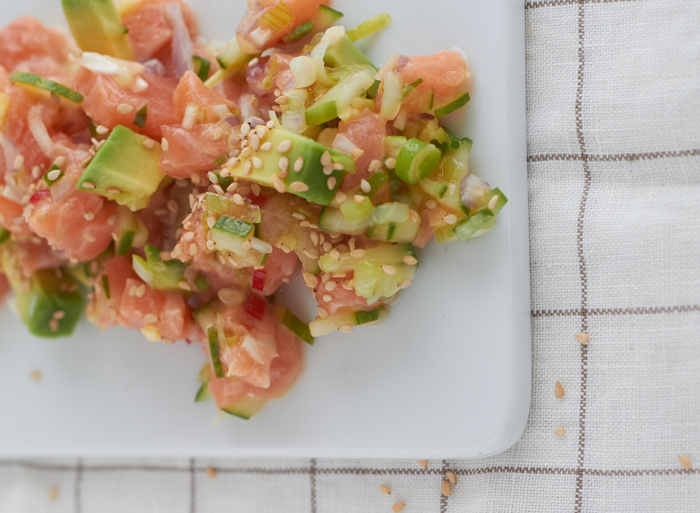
614,175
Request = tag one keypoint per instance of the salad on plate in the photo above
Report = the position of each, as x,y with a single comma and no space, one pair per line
170,185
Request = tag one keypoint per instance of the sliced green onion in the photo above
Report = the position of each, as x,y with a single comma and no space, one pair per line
48,180
221,160
299,32
410,87
202,67
141,116
451,107
375,182
296,325
33,80
368,27
416,160
200,282
105,286
126,243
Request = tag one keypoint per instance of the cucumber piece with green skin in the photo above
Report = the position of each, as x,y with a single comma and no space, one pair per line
246,407
332,220
444,183
124,170
202,67
321,327
229,234
159,274
478,223
372,282
294,324
203,378
346,53
393,145
215,352
392,222
375,182
323,18
232,60
392,96
130,232
353,211
299,32
383,253
304,153
141,116
453,106
218,205
97,27
416,160
339,98
37,82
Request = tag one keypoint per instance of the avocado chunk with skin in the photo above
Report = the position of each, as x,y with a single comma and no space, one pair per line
97,27
124,170
314,171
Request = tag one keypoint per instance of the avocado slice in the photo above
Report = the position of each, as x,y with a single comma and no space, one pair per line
306,177
97,27
124,170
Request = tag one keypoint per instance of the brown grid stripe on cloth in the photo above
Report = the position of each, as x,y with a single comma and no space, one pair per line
623,433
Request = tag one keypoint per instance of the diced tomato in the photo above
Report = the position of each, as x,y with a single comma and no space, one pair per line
38,196
192,91
103,96
195,150
255,305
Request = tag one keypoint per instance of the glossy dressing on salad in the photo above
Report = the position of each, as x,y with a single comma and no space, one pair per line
171,186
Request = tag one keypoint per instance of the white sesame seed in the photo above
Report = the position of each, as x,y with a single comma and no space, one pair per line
164,144
19,161
257,163
211,221
357,153
277,183
248,168
322,312
326,159
211,245
282,100
365,186
113,190
299,164
340,197
390,163
389,269
266,146
193,249
149,144
54,175
245,129
233,162
255,142
310,280
261,130
375,165
409,260
284,146
60,161
331,285
89,216
284,163
328,170
414,216
450,219
358,253
331,182
101,129
298,216
184,285
88,185
493,201
298,187
431,204
359,198
212,177
246,152
124,108
346,328
311,253
327,298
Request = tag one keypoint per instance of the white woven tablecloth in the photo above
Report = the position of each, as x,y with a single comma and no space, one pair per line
614,173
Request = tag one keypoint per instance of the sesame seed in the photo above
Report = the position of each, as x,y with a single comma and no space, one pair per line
312,253
335,254
113,190
347,328
357,153
101,129
493,201
54,175
558,390
331,286
299,164
60,161
233,162
76,52
284,146
451,477
253,62
255,142
346,285
390,163
278,183
684,461
359,198
298,187
225,173
246,152
211,222
409,260
375,165
423,463
255,188
89,216
247,168
328,170
559,431
314,238
340,197
322,312
582,338
358,253
150,319
431,204
261,130
194,249
298,216
88,185
257,163
450,219
385,490
245,129
211,246
124,108
140,290
271,124
266,146
282,100
246,245
211,473
19,161
446,488
36,172
218,133
212,177
310,280
165,145
85,163
326,159
327,246
365,186
413,215
327,298
238,199
277,92
331,182
305,224
188,236
284,163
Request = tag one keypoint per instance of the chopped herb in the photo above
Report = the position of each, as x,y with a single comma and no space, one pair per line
221,160
105,286
202,67
451,107
299,32
141,116
410,87
51,177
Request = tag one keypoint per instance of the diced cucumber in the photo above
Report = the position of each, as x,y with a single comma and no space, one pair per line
321,327
373,283
346,53
246,407
368,27
97,26
393,145
202,67
416,161
50,181
215,352
452,106
294,324
332,220
299,32
383,253
393,96
232,60
325,17
392,222
353,211
446,194
339,97
37,82
130,232
224,205
229,234
156,273
375,182
475,225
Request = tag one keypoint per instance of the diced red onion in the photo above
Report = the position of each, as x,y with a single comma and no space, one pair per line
155,67
233,120
182,47
473,190
401,63
39,131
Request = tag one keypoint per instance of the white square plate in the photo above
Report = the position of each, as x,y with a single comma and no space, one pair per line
448,375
